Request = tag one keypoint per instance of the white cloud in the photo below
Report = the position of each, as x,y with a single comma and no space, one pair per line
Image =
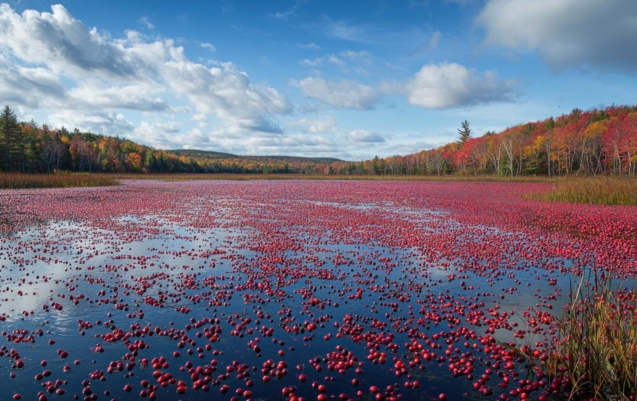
598,33
447,85
349,61
130,73
311,46
344,94
146,22
208,46
429,45
410,148
364,136
292,11
361,57
312,62
322,126
162,134
344,30
97,95
114,123
226,92
368,33
31,87
63,43
330,58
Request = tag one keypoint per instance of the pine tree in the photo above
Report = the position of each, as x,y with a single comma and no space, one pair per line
11,139
150,163
465,133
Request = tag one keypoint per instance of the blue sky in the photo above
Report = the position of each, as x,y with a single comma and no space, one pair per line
348,79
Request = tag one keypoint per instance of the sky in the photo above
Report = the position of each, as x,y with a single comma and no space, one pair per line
347,79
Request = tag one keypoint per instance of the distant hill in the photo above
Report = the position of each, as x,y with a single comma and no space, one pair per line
211,155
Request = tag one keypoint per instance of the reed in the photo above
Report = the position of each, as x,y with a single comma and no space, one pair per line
601,191
58,180
595,354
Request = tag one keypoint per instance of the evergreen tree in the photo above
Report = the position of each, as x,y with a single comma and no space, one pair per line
150,163
375,166
32,154
11,139
465,133
550,124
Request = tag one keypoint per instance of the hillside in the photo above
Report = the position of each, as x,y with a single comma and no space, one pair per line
209,155
593,142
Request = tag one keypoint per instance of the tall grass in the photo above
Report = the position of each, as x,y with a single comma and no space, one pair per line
595,355
602,191
60,180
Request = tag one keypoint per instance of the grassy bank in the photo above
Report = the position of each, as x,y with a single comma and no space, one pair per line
24,181
595,356
601,191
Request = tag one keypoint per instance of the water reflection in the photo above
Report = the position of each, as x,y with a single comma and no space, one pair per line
161,275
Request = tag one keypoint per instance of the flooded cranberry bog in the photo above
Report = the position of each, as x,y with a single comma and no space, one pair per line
293,289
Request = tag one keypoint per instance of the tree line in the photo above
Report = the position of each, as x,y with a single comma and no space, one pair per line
29,148
593,142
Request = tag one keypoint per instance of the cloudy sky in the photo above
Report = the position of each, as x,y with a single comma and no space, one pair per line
349,79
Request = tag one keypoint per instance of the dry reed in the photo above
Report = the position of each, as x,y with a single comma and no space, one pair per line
60,180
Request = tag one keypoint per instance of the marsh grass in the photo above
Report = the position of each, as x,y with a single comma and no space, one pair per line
58,180
601,191
596,352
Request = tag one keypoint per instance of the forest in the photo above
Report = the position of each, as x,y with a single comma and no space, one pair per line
29,148
588,143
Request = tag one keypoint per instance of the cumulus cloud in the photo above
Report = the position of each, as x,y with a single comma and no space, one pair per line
225,91
97,95
566,33
31,87
62,42
343,94
316,126
114,123
102,74
448,85
364,136
136,86
162,134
